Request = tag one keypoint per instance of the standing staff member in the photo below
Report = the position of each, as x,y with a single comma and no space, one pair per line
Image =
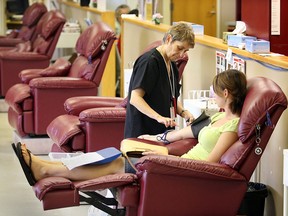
154,86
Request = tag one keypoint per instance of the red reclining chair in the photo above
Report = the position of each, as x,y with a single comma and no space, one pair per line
36,102
34,54
84,127
30,19
166,185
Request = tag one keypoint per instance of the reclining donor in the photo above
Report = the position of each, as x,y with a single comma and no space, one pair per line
213,140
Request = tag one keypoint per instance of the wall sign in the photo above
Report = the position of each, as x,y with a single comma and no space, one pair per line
275,17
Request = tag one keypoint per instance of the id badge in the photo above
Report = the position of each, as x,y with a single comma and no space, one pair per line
173,109
172,112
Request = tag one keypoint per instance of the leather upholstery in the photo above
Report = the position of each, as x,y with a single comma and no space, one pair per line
192,187
36,54
97,115
30,19
47,89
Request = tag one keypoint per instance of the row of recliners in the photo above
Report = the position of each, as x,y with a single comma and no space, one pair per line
166,185
34,47
35,102
162,185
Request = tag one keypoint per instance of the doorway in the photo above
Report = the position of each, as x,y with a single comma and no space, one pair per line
202,12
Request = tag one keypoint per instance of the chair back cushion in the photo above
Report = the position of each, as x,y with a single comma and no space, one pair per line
94,40
82,68
263,106
48,29
30,19
91,47
33,13
181,64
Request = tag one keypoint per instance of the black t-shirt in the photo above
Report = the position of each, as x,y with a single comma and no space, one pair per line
150,74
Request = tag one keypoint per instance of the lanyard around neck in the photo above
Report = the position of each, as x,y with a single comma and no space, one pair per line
172,84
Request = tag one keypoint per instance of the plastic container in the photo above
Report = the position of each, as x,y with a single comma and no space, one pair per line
253,203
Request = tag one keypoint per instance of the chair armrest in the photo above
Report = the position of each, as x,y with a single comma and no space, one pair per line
59,68
10,42
180,147
24,56
60,82
175,166
75,105
16,95
176,148
29,74
105,114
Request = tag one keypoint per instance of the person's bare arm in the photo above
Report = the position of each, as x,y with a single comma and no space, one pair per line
189,118
223,144
137,101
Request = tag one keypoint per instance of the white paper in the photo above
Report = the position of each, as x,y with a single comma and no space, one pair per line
80,160
240,27
275,17
101,5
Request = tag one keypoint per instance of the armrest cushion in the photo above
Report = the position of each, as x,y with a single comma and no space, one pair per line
29,74
75,105
62,128
23,56
112,114
59,68
24,47
177,148
10,42
13,34
60,82
169,165
180,147
16,95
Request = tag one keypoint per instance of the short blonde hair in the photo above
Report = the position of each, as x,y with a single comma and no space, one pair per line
181,32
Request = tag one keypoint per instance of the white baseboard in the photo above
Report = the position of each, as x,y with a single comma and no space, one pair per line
38,146
3,106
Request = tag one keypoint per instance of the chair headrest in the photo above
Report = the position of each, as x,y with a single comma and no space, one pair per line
94,40
52,20
263,96
33,13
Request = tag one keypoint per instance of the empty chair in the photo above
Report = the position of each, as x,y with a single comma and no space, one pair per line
166,185
34,103
84,127
35,54
30,19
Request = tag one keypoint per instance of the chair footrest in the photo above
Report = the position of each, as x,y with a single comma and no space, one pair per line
48,190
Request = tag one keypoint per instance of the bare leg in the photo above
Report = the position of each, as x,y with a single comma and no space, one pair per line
172,136
42,168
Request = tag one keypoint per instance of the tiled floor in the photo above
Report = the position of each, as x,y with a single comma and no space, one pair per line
16,196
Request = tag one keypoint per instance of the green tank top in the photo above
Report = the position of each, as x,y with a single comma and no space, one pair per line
209,136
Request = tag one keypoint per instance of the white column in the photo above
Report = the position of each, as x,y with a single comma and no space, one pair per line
3,26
